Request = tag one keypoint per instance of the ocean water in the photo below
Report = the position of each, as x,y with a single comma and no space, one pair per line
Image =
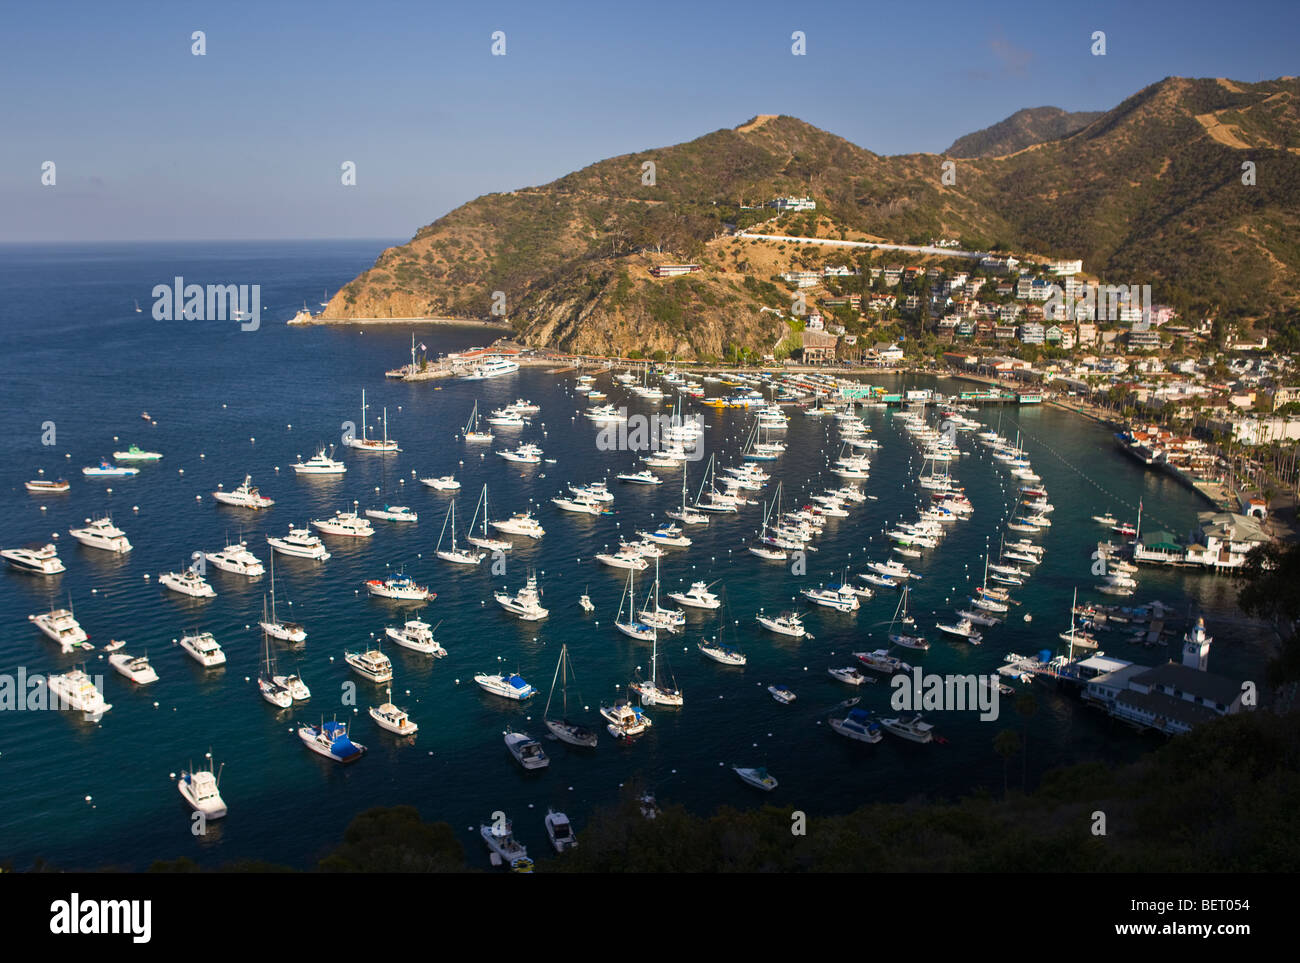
228,402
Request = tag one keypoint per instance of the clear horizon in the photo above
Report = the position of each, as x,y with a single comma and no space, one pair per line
153,143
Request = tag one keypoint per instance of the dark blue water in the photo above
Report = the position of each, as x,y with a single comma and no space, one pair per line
229,402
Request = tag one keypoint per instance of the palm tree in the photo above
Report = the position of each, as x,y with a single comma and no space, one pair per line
1006,744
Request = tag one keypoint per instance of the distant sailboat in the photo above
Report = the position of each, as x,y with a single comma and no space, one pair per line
138,309
562,728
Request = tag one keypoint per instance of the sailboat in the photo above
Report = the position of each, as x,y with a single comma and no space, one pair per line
687,515
900,615
636,630
391,513
272,691
485,540
472,433
461,556
659,617
371,444
284,631
767,546
562,728
651,692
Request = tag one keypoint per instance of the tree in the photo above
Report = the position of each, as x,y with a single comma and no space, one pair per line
1026,706
1006,744
1271,574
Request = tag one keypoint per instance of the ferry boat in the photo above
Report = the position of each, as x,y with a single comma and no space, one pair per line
491,367
881,661
77,690
912,729
135,453
347,524
106,469
560,831
203,648
201,789
400,587
859,726
416,636
526,750
245,496
390,717
330,739
371,665
42,486
38,559
63,628
102,533
320,464
501,841
299,543
187,582
508,687
238,559
524,604
697,597
759,778
624,720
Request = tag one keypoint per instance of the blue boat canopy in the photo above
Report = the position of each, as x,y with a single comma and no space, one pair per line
517,682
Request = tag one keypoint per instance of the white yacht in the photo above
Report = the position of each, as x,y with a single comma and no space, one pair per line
400,587
787,623
842,598
102,533
238,559
416,636
371,664
204,649
697,597
508,687
526,750
579,505
503,845
393,513
625,557
859,726
964,629
491,367
348,524
912,729
187,582
625,720
646,477
849,675
320,464
63,628
526,454
245,496
77,690
782,694
880,660
201,789
443,483
135,668
39,559
759,778
390,717
526,603
300,543
521,523
330,739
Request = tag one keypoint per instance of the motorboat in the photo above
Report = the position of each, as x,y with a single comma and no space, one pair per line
507,686
106,469
524,604
625,720
526,750
38,559
135,453
201,789
238,559
76,690
911,728
560,831
964,629
842,598
499,838
525,454
393,513
187,582
881,661
347,524
521,523
586,604
640,477
623,558
61,626
759,778
203,648
245,496
858,725
330,739
786,623
371,664
395,720
443,483
299,543
400,588
320,464
697,596
781,694
416,636
102,533
134,667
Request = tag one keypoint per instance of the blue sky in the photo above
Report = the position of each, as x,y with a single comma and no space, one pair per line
151,142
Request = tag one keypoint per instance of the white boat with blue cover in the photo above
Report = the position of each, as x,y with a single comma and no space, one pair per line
330,739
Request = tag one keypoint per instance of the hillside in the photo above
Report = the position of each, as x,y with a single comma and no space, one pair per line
1150,192
1024,128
